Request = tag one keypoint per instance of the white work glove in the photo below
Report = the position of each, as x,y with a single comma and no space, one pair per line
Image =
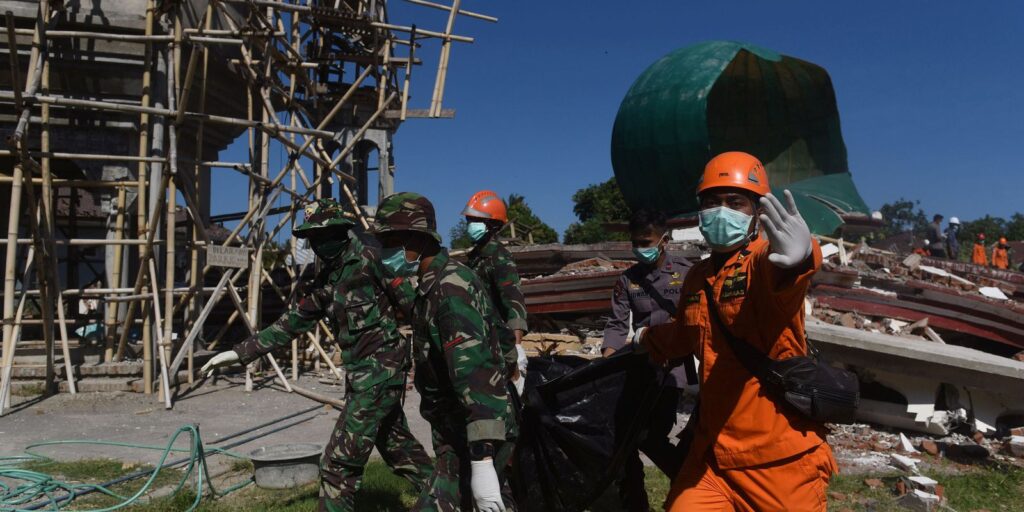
486,489
226,358
638,335
521,360
520,381
788,235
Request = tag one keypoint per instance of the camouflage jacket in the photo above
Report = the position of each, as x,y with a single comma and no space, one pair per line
460,374
496,268
359,299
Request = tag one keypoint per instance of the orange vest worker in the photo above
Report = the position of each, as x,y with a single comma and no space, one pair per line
978,257
748,452
1000,257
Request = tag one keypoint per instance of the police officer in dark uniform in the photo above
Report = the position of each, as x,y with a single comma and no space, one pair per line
649,291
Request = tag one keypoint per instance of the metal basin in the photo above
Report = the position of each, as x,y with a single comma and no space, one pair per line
283,466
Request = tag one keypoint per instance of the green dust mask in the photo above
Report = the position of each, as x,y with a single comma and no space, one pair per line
647,255
328,249
394,259
724,227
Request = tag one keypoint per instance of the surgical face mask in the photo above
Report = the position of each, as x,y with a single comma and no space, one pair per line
476,231
394,259
723,227
328,249
648,255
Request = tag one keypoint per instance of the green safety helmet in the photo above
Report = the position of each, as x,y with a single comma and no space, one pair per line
406,211
322,214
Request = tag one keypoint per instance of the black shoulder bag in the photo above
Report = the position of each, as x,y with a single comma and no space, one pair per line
814,388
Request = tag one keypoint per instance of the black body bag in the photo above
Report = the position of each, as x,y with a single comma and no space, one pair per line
807,384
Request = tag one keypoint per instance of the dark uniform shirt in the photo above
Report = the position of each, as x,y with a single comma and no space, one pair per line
359,299
460,374
652,295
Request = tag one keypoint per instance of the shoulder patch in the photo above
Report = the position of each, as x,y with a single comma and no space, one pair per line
693,298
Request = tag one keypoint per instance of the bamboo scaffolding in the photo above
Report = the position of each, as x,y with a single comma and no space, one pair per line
300,103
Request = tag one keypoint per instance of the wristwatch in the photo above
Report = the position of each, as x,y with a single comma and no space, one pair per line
480,450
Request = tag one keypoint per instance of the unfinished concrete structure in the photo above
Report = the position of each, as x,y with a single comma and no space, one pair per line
115,114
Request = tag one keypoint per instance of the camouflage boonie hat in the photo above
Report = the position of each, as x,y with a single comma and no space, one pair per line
322,213
406,211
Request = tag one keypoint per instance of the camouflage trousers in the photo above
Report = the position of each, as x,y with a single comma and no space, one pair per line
371,417
448,488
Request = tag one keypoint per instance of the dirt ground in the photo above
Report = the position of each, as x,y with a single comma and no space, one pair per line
219,408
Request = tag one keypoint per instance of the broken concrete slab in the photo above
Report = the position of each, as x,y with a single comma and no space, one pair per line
993,293
1017,446
923,483
957,365
905,444
903,462
920,501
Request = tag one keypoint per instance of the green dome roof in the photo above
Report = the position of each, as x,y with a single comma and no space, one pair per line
718,96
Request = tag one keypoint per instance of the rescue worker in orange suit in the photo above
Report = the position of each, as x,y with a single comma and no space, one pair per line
647,294
979,256
749,452
1001,255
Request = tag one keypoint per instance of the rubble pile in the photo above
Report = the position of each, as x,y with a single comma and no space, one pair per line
864,449
922,298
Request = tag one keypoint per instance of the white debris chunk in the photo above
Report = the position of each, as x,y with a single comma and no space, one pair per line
920,501
906,445
1017,446
983,427
903,462
829,250
923,483
993,293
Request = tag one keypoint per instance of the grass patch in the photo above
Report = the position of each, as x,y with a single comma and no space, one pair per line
991,488
29,390
96,471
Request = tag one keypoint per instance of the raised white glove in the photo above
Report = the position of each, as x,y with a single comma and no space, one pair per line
486,489
788,235
226,358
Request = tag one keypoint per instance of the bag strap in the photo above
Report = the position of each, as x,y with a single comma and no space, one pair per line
756,362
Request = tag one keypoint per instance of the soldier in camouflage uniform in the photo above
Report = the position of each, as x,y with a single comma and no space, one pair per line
485,215
460,373
360,300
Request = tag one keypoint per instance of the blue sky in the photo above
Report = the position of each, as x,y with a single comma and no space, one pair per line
930,96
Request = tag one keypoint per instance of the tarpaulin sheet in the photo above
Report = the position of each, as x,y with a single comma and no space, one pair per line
579,421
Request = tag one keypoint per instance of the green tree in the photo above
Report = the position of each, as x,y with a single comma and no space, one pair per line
519,213
901,217
993,227
594,206
459,237
1015,227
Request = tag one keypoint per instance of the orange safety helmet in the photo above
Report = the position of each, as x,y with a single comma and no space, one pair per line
735,169
1002,240
486,205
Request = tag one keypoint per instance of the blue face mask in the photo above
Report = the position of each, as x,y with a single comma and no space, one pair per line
647,255
723,227
476,231
394,259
